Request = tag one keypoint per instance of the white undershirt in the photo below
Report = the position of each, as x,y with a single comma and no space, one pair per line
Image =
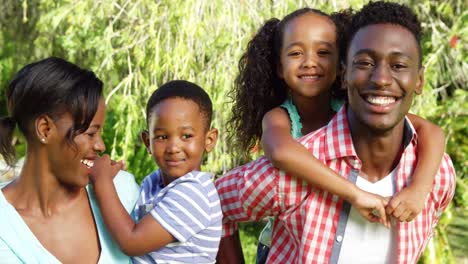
366,242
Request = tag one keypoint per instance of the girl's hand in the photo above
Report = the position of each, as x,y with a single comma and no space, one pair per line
371,207
406,204
105,169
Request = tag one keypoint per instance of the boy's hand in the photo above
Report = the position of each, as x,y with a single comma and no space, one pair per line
406,204
372,207
105,169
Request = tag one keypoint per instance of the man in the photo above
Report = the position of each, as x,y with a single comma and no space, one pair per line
369,141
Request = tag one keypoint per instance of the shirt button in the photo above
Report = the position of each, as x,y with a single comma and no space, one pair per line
339,238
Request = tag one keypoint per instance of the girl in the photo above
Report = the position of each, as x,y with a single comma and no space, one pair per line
288,83
60,110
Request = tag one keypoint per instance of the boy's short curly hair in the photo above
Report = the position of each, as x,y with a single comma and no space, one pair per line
185,90
386,13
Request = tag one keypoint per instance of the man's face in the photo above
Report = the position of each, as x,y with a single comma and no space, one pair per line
382,75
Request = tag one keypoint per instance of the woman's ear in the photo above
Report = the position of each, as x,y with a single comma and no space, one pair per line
44,127
211,139
145,137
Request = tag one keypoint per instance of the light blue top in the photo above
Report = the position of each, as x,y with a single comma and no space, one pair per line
19,245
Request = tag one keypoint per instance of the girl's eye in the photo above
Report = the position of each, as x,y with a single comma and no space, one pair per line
294,53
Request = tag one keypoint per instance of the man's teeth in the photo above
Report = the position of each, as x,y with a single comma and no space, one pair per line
88,163
380,100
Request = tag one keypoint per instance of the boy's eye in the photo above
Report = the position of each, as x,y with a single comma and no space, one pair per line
187,136
160,137
324,52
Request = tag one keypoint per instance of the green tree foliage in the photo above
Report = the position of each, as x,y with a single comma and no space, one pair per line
135,46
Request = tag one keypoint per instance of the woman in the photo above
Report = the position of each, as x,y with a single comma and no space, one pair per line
49,213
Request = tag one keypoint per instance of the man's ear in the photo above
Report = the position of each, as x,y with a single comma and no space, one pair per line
344,83
420,82
210,139
145,137
44,127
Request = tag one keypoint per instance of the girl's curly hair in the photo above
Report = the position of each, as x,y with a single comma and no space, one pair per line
258,89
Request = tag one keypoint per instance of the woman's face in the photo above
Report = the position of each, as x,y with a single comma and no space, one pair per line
70,164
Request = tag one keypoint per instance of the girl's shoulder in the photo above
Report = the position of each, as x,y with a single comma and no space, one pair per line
277,116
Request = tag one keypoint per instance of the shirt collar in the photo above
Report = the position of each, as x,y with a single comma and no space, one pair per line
339,143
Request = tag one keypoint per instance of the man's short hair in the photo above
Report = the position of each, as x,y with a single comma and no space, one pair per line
182,89
386,13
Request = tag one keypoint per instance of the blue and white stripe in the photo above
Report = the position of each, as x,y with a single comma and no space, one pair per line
190,210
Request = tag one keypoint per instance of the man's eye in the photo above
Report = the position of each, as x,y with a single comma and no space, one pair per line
399,66
363,63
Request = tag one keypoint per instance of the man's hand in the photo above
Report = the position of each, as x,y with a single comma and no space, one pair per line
406,204
105,169
371,207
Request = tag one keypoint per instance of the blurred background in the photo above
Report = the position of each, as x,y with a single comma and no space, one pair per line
136,45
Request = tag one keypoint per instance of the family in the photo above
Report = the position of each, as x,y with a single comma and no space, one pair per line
348,175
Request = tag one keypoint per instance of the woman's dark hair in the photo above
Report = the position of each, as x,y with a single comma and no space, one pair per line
51,87
258,89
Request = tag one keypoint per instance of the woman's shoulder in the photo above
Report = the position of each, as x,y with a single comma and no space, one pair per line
127,189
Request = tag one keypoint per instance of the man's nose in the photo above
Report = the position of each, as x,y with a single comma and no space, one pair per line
382,76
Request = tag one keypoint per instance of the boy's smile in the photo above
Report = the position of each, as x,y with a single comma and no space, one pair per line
177,137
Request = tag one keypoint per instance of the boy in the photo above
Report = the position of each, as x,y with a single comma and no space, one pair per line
178,212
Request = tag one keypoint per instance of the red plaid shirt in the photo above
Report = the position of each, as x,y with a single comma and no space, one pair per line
310,222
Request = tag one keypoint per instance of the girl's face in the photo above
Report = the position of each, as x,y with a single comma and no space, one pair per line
69,163
309,56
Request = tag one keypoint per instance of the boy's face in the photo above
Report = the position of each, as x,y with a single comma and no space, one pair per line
178,136
382,76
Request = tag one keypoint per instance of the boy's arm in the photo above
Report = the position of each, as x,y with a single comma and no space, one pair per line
406,204
289,155
230,250
133,239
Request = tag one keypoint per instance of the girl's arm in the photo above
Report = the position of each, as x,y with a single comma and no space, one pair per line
289,155
406,204
133,239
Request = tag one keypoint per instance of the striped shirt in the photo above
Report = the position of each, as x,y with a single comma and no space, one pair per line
311,222
189,209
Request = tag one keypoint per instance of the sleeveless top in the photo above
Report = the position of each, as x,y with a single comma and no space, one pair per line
296,132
